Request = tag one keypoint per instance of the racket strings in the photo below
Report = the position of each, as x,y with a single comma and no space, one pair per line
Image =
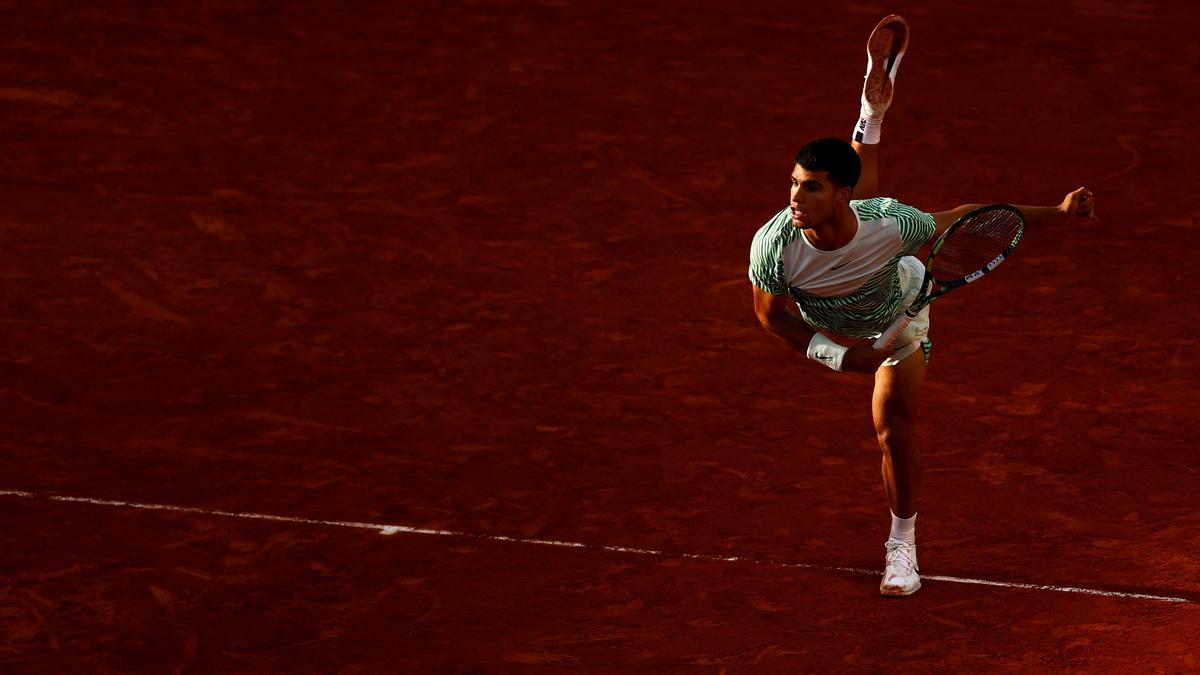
975,243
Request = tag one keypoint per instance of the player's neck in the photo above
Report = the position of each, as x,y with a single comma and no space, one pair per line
835,232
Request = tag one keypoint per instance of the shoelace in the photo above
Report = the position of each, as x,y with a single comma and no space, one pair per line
900,554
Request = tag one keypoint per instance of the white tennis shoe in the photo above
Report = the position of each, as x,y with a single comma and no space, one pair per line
901,577
885,49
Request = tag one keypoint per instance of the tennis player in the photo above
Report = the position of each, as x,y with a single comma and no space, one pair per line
845,258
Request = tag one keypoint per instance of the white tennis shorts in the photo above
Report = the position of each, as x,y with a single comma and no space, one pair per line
916,336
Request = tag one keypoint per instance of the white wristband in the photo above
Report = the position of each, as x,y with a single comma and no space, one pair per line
826,352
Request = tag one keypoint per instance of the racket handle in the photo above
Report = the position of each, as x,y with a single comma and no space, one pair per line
893,331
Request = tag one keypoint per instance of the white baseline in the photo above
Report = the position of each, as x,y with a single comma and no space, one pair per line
399,529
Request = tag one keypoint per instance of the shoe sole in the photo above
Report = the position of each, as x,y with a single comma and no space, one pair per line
885,48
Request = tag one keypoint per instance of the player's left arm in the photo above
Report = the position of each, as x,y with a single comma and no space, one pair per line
1079,204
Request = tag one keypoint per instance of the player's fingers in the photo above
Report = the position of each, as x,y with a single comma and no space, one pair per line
1087,204
1081,203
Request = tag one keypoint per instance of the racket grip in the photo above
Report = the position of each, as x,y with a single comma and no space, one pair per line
893,331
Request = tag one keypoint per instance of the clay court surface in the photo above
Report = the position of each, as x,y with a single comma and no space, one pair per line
480,268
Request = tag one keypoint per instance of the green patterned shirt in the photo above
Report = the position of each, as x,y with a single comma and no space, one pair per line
853,291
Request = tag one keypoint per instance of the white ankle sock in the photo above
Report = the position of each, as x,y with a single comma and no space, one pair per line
867,130
904,529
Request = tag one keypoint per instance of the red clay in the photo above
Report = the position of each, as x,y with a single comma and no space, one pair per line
481,267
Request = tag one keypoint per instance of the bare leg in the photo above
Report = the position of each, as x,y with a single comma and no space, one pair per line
894,408
868,181
885,49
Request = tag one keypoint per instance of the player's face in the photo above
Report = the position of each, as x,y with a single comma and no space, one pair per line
814,197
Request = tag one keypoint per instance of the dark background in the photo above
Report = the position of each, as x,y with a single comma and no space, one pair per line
481,266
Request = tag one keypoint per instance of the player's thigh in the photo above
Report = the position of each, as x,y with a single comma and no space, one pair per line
898,391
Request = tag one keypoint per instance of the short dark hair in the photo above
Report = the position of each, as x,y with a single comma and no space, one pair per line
834,156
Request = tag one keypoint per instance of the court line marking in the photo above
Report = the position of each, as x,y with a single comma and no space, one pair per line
404,529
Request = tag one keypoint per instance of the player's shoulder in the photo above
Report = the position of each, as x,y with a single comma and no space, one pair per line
878,207
775,233
766,253
886,207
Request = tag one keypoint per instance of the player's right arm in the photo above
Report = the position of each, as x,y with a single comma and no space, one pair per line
774,316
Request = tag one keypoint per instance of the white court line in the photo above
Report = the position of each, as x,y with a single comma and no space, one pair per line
398,529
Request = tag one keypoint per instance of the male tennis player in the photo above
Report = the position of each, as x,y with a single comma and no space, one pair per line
848,265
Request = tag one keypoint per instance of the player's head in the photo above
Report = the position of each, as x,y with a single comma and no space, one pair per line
833,156
823,180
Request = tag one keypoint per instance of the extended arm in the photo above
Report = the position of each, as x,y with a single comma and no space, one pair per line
1078,204
774,316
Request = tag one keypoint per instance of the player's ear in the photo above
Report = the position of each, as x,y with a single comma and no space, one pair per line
845,193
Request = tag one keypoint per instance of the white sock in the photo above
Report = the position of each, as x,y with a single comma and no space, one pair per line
868,128
904,529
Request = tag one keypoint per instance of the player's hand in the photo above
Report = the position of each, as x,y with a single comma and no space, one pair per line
863,358
1079,205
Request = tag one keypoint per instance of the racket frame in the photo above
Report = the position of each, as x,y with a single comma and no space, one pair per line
928,294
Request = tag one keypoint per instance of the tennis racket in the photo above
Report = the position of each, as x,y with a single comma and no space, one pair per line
973,246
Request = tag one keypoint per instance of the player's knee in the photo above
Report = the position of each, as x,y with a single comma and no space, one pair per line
894,418
895,434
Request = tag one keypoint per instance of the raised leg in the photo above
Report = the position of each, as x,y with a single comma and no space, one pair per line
868,181
885,49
